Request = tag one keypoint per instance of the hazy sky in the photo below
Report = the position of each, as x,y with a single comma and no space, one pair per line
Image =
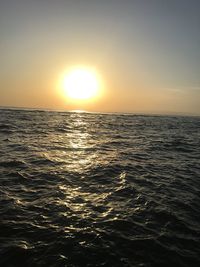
147,53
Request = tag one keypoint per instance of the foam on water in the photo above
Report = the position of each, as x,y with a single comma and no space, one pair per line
80,189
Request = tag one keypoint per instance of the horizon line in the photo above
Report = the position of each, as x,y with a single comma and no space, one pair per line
153,113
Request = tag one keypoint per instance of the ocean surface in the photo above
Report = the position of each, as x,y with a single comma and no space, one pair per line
83,189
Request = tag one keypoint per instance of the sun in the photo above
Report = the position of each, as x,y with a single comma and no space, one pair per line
81,83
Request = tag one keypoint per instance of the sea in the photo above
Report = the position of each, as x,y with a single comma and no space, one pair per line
90,189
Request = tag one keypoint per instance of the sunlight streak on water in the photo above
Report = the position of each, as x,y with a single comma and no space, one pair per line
82,189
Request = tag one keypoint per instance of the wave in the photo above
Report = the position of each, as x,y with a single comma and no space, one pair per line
98,190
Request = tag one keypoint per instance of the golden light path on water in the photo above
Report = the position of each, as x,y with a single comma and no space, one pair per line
81,184
77,152
77,147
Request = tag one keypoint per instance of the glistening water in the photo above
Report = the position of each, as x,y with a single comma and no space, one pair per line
81,189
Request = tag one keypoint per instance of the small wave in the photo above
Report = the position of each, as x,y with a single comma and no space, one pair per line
5,127
98,190
12,163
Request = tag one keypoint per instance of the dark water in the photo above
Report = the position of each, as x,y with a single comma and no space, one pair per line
80,189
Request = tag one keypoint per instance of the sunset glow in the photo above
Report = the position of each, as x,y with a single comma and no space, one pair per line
80,84
99,133
101,56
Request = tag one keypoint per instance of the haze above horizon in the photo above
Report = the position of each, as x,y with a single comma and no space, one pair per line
143,56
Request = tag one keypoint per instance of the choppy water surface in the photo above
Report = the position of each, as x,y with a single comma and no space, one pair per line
80,189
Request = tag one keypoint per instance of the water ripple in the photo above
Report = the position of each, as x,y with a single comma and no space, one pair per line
82,189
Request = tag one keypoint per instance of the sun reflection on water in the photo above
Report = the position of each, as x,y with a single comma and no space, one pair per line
75,148
78,144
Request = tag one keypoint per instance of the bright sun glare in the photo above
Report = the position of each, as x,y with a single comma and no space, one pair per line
81,84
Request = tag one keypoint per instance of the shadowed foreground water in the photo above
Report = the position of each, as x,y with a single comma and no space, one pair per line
80,189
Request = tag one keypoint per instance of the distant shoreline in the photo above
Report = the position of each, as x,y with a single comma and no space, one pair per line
169,114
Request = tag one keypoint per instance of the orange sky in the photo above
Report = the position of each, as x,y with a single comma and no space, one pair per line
148,62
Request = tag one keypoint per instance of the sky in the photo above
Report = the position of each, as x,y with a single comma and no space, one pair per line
146,53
